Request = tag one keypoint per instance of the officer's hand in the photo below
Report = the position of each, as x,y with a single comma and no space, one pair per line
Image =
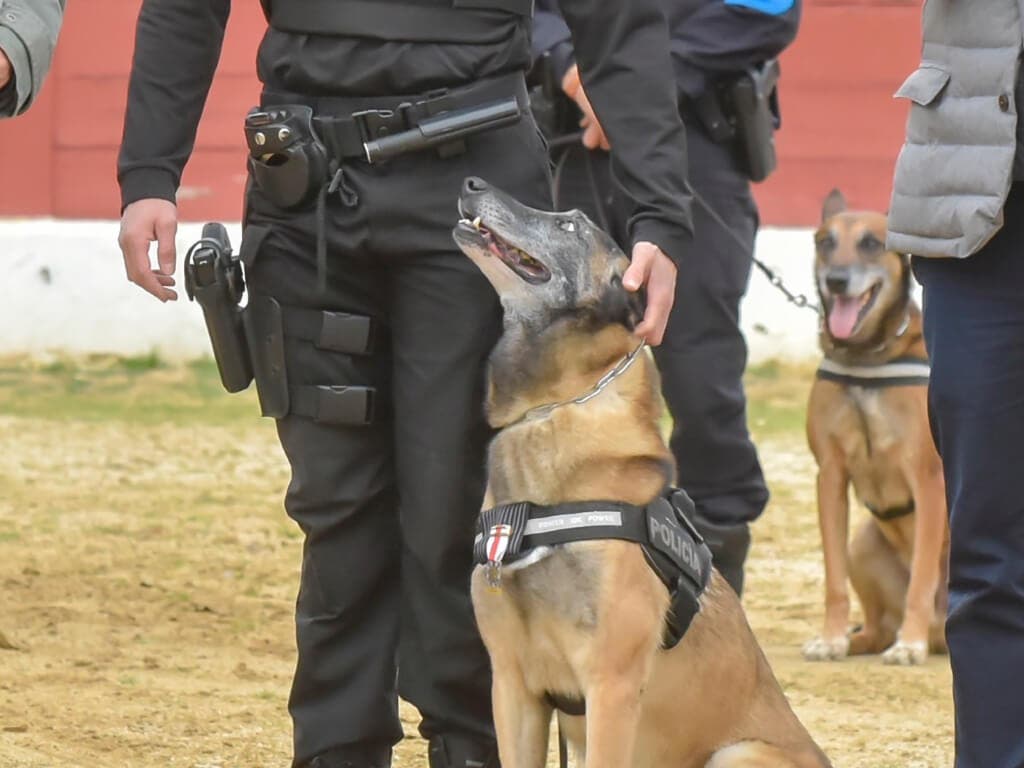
593,133
5,69
143,222
652,268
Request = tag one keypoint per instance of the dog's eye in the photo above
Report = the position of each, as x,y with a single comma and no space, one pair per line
870,244
567,225
825,243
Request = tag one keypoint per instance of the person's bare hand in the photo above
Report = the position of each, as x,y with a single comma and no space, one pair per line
5,69
593,134
654,270
142,223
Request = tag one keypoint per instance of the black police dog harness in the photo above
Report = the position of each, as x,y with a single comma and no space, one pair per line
672,546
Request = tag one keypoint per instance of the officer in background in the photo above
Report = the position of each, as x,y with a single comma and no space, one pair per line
714,42
368,329
28,37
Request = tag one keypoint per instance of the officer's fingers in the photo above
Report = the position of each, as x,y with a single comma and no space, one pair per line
659,305
166,229
571,82
163,279
661,293
639,267
135,248
591,136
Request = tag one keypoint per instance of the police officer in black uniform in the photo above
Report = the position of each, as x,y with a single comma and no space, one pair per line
368,329
704,354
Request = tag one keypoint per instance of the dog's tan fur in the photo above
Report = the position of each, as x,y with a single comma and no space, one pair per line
586,620
878,441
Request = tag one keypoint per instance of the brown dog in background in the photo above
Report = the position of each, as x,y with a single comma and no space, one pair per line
867,425
584,621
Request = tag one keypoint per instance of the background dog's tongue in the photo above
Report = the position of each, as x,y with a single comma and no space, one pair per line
843,316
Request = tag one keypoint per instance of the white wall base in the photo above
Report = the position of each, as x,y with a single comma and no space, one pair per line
63,290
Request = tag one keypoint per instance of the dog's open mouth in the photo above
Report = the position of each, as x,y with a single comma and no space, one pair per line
519,261
845,313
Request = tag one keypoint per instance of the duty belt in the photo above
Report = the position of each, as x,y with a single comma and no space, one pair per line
672,546
347,126
299,145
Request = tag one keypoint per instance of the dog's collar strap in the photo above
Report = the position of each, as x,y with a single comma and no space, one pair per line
901,372
541,411
673,547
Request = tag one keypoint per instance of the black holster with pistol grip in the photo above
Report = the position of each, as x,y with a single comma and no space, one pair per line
743,111
754,99
214,279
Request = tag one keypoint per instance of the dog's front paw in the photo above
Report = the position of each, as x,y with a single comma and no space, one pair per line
906,654
827,649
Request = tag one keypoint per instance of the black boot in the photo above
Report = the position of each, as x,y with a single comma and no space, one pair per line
458,751
729,544
351,757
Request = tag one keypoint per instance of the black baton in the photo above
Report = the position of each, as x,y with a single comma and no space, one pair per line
443,128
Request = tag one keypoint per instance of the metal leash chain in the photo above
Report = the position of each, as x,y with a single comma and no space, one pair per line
797,299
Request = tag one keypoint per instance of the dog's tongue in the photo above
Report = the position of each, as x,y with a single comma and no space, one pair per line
843,316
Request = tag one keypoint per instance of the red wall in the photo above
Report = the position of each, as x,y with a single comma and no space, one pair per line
840,125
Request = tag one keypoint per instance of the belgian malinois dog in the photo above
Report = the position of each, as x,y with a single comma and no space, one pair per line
867,425
585,620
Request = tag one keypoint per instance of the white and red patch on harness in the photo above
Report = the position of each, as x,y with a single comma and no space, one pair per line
497,542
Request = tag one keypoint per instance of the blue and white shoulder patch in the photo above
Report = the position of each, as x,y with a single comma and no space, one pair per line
770,7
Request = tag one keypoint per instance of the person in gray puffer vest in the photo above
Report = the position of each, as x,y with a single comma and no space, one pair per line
28,36
958,207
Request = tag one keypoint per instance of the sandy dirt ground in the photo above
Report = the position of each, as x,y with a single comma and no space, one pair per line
148,573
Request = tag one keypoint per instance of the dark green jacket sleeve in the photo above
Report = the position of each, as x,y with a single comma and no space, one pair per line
28,37
177,47
622,49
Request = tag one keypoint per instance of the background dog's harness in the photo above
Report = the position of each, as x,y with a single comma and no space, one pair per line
672,546
901,372
892,513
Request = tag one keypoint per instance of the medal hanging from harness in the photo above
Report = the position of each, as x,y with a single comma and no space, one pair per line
503,536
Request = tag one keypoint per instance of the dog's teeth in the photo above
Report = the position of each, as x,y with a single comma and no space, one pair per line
476,222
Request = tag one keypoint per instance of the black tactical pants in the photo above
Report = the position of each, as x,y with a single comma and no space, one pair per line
388,509
703,354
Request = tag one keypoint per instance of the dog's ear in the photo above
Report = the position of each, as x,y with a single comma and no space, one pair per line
617,305
834,203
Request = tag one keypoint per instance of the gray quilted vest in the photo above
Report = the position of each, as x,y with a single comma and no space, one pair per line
955,169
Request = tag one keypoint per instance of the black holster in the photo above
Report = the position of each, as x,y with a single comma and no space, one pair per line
555,113
744,111
287,160
754,101
213,278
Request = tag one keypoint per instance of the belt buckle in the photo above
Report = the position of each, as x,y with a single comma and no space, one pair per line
374,123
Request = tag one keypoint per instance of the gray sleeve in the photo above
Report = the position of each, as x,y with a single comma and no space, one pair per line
28,37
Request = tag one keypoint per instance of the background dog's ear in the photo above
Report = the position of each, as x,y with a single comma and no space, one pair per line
834,203
617,305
